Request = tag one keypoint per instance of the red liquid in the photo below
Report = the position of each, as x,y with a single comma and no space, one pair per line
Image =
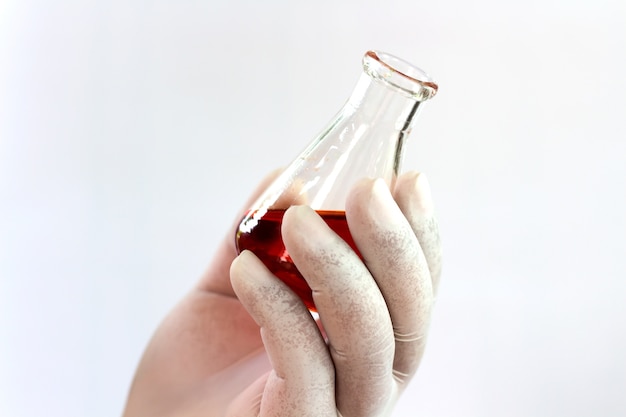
265,241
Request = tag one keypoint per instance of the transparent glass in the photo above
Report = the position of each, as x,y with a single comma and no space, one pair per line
365,139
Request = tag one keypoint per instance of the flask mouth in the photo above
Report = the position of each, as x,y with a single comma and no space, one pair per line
399,74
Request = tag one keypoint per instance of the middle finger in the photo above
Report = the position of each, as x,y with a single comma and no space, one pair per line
351,308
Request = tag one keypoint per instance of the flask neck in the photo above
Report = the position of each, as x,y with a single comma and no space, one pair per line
383,105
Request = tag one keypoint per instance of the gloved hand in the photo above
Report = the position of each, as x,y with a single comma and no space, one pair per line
208,357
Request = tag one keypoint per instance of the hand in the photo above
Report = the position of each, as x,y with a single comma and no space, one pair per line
208,357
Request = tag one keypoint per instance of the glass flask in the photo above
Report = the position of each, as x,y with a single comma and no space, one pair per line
365,139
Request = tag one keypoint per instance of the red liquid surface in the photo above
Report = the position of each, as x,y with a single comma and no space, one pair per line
265,241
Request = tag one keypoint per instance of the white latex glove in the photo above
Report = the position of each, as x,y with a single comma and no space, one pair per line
375,314
207,359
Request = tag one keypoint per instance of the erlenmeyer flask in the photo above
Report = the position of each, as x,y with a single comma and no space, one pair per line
365,139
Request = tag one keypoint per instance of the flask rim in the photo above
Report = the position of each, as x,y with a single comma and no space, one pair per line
399,74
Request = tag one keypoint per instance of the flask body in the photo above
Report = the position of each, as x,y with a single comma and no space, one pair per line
365,139
264,239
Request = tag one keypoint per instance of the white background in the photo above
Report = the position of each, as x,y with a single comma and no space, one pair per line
132,131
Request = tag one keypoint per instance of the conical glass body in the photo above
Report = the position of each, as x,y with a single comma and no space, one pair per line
365,139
